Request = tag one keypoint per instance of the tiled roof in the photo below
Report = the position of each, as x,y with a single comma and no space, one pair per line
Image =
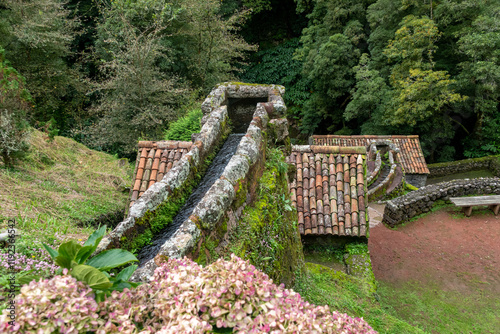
411,155
328,190
154,160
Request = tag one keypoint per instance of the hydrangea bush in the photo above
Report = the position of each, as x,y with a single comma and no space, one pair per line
182,297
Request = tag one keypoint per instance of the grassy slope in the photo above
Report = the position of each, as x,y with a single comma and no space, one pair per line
58,186
352,295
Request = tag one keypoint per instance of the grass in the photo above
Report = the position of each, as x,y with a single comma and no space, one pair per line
59,188
321,285
434,310
458,176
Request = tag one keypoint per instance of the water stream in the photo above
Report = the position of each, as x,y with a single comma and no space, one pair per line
213,173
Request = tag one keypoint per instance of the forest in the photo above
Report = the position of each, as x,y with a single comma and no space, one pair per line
108,73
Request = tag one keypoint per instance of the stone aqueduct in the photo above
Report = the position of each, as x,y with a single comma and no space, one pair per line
259,111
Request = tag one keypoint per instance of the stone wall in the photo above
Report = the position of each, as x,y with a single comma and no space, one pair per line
176,180
402,209
416,180
374,155
441,169
222,205
382,187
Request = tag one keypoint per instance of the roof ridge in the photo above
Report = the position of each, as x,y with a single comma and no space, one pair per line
164,144
329,149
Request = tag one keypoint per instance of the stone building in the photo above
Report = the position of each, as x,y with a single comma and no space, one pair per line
410,153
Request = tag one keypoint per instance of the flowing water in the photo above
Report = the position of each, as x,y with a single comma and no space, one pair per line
213,173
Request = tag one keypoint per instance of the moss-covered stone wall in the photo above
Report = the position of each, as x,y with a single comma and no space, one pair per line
445,168
267,233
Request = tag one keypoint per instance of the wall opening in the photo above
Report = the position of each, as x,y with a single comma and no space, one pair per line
241,111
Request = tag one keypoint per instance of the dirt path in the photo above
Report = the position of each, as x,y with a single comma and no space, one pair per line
458,253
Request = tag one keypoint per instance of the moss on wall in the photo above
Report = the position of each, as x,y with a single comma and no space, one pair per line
153,222
267,233
445,168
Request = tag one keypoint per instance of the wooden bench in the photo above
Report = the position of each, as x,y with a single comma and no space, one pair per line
467,203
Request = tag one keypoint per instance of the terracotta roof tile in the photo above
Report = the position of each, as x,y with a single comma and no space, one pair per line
328,189
411,155
154,160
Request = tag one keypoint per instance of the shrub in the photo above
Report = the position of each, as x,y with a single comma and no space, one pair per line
182,297
57,305
93,271
184,127
14,102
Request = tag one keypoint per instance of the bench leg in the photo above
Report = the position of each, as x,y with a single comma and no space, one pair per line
495,208
467,210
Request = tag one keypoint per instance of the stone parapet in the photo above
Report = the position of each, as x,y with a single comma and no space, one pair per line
404,208
218,202
445,168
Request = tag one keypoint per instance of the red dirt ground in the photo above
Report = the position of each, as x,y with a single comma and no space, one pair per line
444,247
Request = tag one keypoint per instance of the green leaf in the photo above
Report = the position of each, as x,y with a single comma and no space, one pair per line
126,273
69,249
111,259
92,276
52,252
84,253
95,238
64,262
119,286
27,279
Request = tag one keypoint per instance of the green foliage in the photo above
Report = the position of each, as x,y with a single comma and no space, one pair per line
276,65
37,37
267,233
75,258
184,127
331,47
14,104
419,92
353,295
207,46
137,98
369,94
480,79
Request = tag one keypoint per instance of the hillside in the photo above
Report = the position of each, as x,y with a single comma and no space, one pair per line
61,188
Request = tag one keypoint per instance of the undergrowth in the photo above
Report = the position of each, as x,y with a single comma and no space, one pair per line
354,294
59,189
267,233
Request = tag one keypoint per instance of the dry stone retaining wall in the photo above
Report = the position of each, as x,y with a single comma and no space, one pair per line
441,169
402,209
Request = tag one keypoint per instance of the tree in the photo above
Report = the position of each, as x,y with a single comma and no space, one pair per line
136,99
207,46
420,92
480,80
14,103
331,47
369,94
37,36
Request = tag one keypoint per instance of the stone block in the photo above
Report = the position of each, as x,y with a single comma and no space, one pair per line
215,203
236,169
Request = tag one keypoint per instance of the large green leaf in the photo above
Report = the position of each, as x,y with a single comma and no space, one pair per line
95,238
125,274
111,259
121,285
67,254
69,249
52,252
25,279
92,276
64,262
84,253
